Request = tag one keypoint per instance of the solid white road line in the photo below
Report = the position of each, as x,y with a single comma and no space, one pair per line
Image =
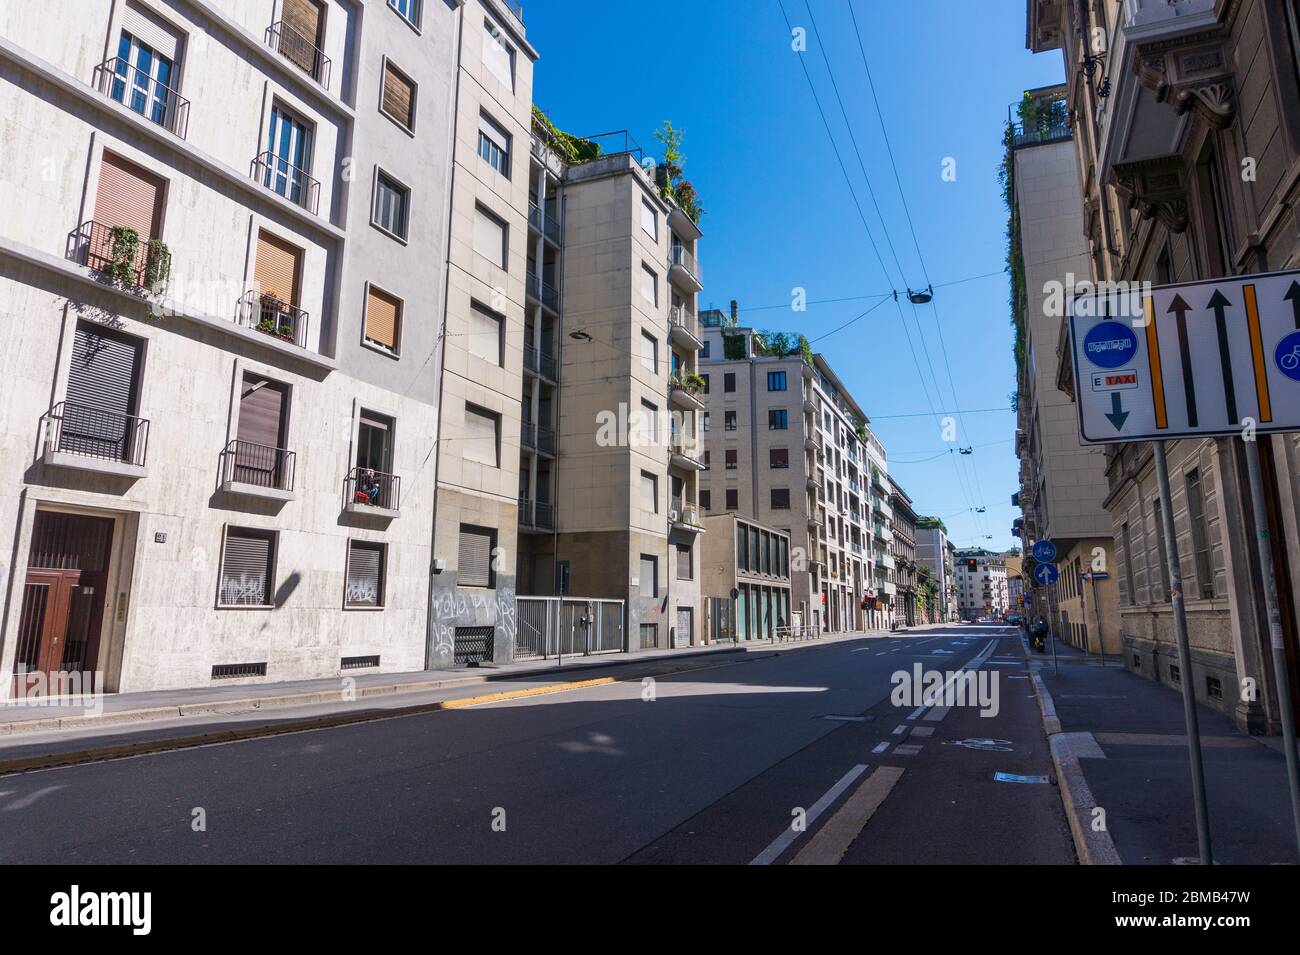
789,835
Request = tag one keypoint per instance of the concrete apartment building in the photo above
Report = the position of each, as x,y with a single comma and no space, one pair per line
753,561
935,552
1062,483
221,284
981,584
907,610
489,307
1197,94
789,447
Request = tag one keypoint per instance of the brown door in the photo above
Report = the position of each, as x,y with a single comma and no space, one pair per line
63,600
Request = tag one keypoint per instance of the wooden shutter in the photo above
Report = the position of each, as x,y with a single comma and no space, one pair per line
474,567
399,95
278,267
152,32
246,568
382,313
365,583
129,196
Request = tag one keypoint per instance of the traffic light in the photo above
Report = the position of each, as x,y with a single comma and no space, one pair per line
972,564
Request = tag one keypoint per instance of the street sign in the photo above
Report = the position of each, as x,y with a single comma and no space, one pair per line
1192,359
1044,551
1046,574
1095,575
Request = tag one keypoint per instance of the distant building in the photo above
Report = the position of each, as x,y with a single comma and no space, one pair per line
981,584
751,561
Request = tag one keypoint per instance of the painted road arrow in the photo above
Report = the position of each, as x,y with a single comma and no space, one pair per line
1293,296
1180,308
1218,303
1117,415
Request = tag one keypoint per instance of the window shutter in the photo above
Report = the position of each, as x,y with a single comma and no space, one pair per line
277,268
683,562
481,436
260,410
649,577
485,334
649,492
151,31
474,567
103,371
399,94
489,238
303,18
365,575
382,312
497,55
129,196
246,568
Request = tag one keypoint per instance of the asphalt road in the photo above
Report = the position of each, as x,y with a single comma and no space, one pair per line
793,756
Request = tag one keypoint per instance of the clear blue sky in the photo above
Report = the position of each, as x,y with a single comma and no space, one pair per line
779,213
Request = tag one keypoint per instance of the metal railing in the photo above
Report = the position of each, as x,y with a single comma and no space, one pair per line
539,514
285,179
300,51
243,462
684,258
569,626
528,435
273,316
91,245
686,514
548,226
545,440
74,428
366,487
141,93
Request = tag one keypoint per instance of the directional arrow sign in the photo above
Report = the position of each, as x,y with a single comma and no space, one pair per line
1046,574
1201,358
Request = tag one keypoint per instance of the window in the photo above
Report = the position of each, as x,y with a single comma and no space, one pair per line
408,10
482,436
776,419
286,165
485,334
383,323
781,498
733,499
498,55
776,381
742,547
1200,533
650,423
729,382
278,272
365,583
145,74
706,383
130,196
247,568
649,220
704,352
685,568
649,575
731,459
397,98
705,459
490,237
650,492
474,564
375,442
649,285
778,457
649,636
494,145
1162,554
704,421
706,500
391,202
650,352
729,421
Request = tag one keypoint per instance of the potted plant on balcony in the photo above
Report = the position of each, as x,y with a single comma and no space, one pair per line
124,246
274,317
157,266
674,185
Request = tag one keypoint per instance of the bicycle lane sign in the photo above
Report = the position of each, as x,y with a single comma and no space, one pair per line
1198,358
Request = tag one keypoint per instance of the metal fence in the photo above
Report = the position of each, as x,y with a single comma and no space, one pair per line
572,626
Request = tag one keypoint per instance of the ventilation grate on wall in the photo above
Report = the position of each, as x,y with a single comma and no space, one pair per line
233,671
359,663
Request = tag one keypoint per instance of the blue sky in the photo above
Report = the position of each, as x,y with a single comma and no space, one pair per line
779,214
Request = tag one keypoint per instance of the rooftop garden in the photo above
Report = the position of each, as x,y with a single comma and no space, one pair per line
674,186
571,148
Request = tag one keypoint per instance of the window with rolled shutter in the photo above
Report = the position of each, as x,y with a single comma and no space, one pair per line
649,575
490,237
365,583
278,267
301,36
484,338
130,196
482,430
383,318
102,394
650,492
398,96
684,569
474,567
247,563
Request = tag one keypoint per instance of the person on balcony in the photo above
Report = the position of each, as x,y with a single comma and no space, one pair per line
367,488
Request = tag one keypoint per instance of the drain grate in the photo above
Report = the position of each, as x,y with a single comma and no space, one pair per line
232,671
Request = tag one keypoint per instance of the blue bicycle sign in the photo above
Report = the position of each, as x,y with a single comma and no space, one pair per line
1287,356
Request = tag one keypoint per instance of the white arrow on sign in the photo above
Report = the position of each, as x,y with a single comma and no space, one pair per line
1192,359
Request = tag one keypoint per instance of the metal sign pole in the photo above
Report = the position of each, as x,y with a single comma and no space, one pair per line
1280,677
1184,657
1096,609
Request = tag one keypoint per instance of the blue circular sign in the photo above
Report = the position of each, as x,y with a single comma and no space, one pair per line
1287,356
1110,344
1044,551
1046,574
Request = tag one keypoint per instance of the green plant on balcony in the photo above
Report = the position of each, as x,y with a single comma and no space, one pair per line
124,245
570,147
157,265
689,381
675,187
861,432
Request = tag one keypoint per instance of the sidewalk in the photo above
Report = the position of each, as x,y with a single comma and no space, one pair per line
1119,744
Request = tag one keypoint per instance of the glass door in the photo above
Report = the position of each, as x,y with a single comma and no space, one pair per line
289,147
143,80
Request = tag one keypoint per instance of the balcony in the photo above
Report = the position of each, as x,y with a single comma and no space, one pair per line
372,493
681,328
536,515
684,269
685,518
684,392
684,453
120,254
534,437
84,438
271,315
539,290
258,471
287,180
813,442
141,93
548,226
540,363
300,51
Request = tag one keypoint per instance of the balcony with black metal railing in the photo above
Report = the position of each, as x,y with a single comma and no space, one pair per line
120,254
271,315
141,92
299,50
83,437
287,180
256,470
546,225
536,515
372,493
